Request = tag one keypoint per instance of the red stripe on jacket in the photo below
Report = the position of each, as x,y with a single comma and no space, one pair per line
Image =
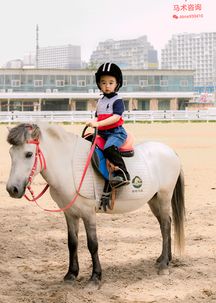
104,117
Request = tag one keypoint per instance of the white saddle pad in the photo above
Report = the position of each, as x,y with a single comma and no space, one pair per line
80,156
140,185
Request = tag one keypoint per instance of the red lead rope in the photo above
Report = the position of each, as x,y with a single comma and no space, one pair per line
43,166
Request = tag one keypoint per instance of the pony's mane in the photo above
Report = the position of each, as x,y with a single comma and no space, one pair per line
55,132
18,135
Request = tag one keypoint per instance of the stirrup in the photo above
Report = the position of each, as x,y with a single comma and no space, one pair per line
118,181
119,184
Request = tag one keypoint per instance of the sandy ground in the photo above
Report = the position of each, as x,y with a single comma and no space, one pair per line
33,243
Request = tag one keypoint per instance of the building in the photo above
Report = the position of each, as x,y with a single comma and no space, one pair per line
128,54
29,60
64,89
16,63
65,57
193,51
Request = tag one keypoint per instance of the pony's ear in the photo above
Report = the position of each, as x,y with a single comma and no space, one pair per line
9,128
35,132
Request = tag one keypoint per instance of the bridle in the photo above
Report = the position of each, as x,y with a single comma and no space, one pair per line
39,155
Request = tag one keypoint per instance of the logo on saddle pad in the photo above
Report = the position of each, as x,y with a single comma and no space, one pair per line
137,182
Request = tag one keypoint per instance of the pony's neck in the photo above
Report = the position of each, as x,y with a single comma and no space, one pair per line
58,155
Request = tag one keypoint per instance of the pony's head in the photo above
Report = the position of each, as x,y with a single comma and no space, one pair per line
23,154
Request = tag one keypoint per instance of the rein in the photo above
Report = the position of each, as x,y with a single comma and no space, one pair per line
41,157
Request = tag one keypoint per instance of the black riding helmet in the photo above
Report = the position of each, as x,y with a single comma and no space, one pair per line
110,69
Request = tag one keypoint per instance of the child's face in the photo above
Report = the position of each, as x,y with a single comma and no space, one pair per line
108,84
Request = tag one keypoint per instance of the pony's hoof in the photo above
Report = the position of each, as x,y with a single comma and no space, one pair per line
69,278
94,284
164,272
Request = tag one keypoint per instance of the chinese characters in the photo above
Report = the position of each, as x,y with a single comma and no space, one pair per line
187,7
187,10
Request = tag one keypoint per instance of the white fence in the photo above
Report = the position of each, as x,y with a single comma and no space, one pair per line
133,116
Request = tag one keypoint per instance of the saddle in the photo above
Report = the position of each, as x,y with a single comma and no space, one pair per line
98,160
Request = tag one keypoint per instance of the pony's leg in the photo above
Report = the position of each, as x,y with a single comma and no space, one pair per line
90,226
160,207
73,229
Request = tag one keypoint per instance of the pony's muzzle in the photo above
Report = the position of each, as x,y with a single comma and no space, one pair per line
15,191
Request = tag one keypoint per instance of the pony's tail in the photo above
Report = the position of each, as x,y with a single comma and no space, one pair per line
178,213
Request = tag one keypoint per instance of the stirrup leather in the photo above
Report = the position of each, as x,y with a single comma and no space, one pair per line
105,201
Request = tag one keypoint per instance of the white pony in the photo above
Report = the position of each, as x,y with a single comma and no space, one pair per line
156,179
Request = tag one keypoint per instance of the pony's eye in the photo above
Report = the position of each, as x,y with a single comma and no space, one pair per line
28,154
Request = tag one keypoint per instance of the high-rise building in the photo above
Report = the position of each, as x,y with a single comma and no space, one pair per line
65,56
193,51
128,54
29,59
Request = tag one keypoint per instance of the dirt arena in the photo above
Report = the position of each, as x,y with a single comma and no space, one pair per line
33,243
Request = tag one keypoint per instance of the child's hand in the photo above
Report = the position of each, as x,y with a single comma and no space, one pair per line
92,123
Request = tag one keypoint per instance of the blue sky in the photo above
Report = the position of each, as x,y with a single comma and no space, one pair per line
86,22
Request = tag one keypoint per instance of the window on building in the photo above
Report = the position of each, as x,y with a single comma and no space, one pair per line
164,105
67,80
54,104
81,105
60,83
143,83
143,104
126,104
4,106
184,83
81,83
38,83
163,82
1,79
124,83
15,105
28,106
15,83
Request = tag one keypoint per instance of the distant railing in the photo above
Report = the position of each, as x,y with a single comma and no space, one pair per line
133,116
